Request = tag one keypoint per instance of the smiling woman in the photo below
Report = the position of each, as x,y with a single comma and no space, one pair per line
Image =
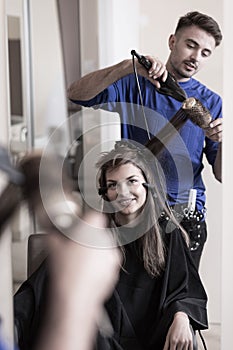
157,272
135,202
126,192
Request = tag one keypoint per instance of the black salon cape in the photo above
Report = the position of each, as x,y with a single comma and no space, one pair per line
141,308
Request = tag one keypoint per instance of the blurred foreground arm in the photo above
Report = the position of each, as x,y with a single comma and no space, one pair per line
82,279
93,83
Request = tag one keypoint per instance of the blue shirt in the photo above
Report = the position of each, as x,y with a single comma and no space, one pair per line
182,162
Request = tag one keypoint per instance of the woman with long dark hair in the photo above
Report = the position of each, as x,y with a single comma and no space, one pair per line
159,300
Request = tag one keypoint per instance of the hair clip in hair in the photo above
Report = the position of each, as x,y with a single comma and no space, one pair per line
139,149
151,188
102,191
145,184
129,144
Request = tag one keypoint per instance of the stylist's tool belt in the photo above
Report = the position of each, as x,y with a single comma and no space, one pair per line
192,221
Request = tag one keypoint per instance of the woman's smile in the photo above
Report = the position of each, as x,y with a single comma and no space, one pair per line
126,192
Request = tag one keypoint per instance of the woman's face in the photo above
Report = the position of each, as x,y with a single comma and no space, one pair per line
126,192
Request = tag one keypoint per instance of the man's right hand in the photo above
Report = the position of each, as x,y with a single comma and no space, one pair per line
157,71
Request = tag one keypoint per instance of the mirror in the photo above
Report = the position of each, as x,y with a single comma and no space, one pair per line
18,130
49,108
36,76
15,69
36,97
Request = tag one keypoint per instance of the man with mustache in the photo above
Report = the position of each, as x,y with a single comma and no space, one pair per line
115,89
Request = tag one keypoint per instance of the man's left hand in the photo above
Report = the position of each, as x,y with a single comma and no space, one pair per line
214,131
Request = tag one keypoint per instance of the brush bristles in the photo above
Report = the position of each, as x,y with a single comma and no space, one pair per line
196,112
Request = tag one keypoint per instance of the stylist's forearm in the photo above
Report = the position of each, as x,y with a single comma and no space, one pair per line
71,323
93,83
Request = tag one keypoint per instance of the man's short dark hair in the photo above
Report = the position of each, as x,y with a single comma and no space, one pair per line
202,21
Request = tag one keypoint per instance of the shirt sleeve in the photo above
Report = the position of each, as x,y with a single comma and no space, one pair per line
184,291
122,90
105,96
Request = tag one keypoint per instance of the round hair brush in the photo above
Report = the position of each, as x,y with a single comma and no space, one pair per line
191,109
196,112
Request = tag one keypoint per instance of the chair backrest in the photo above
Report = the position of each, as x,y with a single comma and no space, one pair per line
37,251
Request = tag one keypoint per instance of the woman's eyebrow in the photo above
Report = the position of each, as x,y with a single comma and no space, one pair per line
127,178
130,177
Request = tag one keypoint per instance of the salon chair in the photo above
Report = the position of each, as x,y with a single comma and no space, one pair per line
37,251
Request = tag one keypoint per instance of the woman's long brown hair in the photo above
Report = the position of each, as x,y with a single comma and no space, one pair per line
151,242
